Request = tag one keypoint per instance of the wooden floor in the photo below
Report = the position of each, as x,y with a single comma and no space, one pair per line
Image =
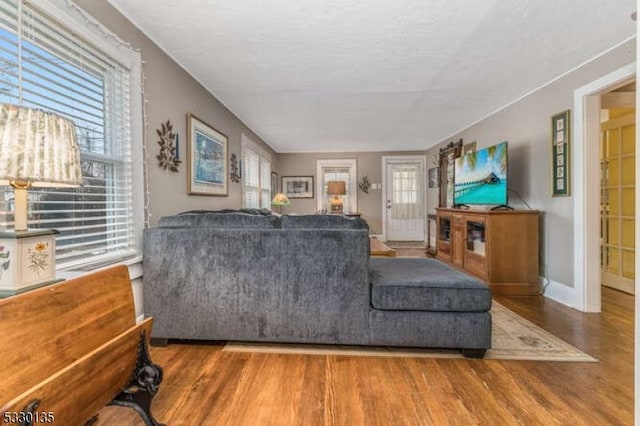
205,386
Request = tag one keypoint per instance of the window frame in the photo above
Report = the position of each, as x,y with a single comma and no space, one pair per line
348,163
90,31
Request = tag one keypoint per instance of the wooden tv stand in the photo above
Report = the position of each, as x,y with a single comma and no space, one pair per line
498,246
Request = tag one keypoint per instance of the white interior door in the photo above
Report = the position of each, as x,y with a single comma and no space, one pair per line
404,200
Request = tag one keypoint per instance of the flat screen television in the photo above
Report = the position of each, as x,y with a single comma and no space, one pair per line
481,177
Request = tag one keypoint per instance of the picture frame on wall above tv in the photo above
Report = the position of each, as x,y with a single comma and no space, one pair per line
480,178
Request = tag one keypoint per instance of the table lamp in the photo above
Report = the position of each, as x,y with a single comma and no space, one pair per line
280,199
37,149
337,188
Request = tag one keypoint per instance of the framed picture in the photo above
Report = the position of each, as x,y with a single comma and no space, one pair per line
560,145
433,177
207,159
274,184
297,186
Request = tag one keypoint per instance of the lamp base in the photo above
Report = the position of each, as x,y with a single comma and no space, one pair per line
27,260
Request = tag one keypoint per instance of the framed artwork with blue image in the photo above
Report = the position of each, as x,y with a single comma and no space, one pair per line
207,159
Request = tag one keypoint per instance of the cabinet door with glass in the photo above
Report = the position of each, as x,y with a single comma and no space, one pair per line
444,237
475,259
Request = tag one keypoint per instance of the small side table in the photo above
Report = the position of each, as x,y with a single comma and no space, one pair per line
27,260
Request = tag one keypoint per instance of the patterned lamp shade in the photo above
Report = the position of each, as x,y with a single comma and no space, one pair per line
37,148
280,199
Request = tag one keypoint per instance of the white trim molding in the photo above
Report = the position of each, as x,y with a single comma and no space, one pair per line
586,188
558,292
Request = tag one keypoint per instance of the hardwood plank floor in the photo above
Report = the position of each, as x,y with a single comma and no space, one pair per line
205,386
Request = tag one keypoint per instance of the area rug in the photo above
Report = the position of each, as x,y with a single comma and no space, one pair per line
406,244
513,338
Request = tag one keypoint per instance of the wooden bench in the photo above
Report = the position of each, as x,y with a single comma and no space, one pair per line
378,248
71,348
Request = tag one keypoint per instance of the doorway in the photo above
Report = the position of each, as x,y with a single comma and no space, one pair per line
404,213
586,293
617,189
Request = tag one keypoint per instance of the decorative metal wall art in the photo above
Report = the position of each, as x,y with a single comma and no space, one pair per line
169,156
234,174
364,184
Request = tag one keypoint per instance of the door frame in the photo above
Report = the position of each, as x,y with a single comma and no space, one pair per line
586,189
422,159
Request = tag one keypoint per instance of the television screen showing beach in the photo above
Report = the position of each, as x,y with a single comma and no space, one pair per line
210,160
481,177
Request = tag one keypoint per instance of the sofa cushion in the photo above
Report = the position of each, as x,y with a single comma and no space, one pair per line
230,220
322,221
405,284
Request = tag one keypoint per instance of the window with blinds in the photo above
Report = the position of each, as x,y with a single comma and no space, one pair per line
47,66
256,171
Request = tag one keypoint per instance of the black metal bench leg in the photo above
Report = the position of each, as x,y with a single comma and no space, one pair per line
143,386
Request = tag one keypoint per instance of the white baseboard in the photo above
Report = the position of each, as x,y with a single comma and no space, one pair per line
559,292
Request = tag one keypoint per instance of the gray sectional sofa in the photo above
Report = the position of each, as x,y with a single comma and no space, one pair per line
253,276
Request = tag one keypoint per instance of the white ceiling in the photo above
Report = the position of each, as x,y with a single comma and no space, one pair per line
358,75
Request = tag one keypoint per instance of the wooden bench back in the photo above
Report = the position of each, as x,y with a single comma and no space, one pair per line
45,330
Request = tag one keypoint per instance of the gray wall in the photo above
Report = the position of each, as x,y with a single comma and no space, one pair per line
526,125
368,164
171,93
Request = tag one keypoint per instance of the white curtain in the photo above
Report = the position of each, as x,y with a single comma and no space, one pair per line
406,195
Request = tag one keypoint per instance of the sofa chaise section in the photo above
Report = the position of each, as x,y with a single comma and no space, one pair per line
432,302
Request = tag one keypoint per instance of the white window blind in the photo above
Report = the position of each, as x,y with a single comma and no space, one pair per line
251,165
256,170
265,184
47,66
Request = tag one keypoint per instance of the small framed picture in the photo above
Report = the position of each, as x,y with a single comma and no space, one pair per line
560,172
433,177
559,160
559,137
297,186
560,149
560,124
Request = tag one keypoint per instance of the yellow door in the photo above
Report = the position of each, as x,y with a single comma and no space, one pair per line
617,201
